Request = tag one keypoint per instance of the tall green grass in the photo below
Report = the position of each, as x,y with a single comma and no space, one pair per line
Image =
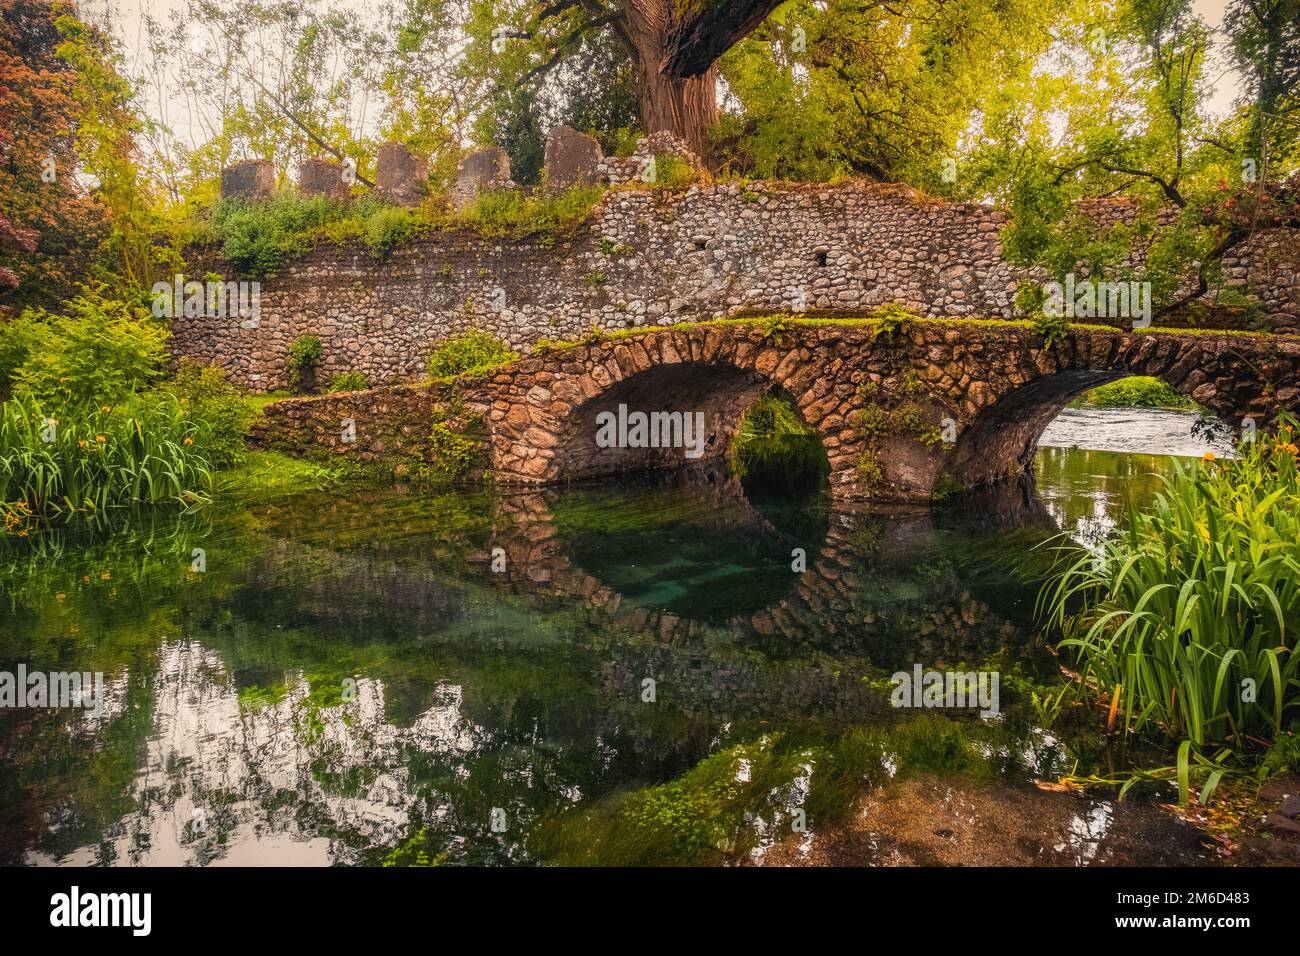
150,450
1188,617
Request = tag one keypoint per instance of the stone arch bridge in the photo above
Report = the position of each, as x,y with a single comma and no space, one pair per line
904,410
897,408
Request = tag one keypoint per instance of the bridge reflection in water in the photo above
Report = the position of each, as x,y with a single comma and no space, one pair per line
472,688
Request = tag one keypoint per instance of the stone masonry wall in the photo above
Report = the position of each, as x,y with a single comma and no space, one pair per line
646,258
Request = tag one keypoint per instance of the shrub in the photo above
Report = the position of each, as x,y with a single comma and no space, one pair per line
671,172
97,352
468,352
220,414
1137,391
304,353
509,213
1053,328
386,229
774,448
347,382
893,319
258,237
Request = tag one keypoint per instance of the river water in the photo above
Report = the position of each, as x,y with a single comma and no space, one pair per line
663,671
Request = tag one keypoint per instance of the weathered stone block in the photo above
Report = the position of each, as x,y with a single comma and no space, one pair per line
572,159
321,177
401,175
248,179
483,169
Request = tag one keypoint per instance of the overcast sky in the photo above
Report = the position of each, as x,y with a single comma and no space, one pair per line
125,17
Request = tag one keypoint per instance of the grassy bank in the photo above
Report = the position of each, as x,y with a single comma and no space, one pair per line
1137,391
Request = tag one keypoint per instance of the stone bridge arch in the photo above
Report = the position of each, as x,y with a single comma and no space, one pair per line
898,406
544,418
1236,377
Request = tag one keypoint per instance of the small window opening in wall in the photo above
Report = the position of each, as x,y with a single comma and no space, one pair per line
822,259
700,244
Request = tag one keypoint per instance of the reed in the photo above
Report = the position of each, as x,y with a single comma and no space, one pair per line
148,450
1186,620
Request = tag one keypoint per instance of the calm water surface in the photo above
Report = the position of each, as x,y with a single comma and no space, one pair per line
389,676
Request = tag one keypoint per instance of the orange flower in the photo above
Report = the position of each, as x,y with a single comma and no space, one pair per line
1208,456
189,441
81,443
101,439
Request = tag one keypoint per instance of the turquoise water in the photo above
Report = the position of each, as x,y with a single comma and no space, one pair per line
393,676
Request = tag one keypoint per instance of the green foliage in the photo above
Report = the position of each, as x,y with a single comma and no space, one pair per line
452,452
773,447
257,238
508,213
352,381
1187,617
216,407
387,229
1053,328
1137,391
304,353
672,173
869,470
470,352
96,351
882,92
893,320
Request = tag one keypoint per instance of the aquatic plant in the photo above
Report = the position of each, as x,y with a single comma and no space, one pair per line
1186,621
150,450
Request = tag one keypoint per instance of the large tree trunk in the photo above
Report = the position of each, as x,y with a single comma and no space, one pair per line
685,106
676,60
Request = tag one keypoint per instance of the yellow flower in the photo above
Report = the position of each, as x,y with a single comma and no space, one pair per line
81,443
1208,456
101,439
106,409
189,441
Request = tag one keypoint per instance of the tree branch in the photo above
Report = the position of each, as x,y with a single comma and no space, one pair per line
311,134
